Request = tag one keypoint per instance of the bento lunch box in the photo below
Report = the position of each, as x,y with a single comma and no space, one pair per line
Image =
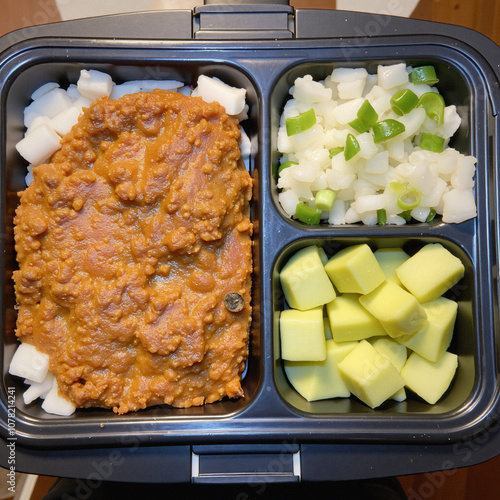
264,48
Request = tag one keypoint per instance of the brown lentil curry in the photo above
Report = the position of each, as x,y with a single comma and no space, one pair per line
128,241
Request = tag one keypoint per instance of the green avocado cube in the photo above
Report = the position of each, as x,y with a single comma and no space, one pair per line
430,272
315,380
427,379
433,339
355,270
304,281
392,350
349,320
389,260
398,310
369,375
396,354
302,335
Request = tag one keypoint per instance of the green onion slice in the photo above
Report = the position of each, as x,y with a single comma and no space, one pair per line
424,74
409,199
324,199
366,118
381,217
367,113
352,147
286,165
406,215
403,101
431,142
335,151
431,215
387,129
300,123
433,103
359,126
274,170
307,214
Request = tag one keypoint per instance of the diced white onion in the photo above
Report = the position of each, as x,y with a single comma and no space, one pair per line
351,90
463,176
56,404
392,76
311,138
64,121
44,89
37,121
39,145
340,75
37,389
420,213
337,213
346,112
309,91
213,89
28,362
288,201
50,104
368,148
369,203
458,205
94,84
378,164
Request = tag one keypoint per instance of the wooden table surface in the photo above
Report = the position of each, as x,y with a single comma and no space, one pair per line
469,483
481,15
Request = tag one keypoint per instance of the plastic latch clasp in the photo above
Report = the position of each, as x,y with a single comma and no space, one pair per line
249,465
243,21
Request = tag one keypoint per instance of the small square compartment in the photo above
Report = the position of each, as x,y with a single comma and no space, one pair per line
455,85
465,342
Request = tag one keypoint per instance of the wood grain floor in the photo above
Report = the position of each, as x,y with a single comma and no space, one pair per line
480,482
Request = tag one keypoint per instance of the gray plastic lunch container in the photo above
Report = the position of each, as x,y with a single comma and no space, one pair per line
264,48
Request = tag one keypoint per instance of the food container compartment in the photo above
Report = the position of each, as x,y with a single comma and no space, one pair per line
16,95
312,42
455,85
464,388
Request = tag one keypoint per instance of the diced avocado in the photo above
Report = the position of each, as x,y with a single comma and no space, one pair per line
355,270
304,280
397,356
398,310
302,335
349,320
433,339
315,380
430,272
370,376
399,396
389,260
394,352
429,380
